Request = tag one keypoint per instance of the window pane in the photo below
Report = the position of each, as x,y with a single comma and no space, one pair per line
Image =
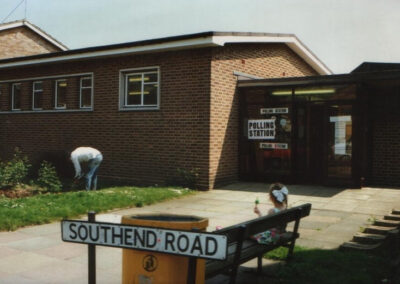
135,78
38,86
61,94
134,90
150,78
86,82
37,103
141,88
17,96
37,95
86,100
150,94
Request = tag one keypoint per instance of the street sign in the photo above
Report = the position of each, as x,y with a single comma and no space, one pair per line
202,245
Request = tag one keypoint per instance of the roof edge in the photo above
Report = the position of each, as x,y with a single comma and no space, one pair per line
35,29
204,39
289,39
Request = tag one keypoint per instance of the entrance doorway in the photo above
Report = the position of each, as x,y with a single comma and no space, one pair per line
299,135
328,151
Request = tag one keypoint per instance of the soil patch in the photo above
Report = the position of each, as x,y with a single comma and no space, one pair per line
17,192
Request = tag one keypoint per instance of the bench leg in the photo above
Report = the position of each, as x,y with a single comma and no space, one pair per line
234,270
290,252
259,264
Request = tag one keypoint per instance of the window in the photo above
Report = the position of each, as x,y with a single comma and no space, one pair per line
140,89
16,96
37,95
85,100
61,94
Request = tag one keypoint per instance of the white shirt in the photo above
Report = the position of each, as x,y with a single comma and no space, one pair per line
83,154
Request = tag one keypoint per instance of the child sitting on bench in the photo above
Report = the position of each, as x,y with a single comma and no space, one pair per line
278,194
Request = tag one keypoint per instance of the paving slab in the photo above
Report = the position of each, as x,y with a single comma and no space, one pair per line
36,254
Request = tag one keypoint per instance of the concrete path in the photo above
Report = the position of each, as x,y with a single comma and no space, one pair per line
37,255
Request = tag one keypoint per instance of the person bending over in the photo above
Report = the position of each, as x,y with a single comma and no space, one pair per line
94,158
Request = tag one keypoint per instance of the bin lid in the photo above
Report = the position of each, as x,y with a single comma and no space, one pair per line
167,218
166,221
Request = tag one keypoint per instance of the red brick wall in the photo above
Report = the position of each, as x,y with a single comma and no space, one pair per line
196,126
22,41
144,146
262,60
385,118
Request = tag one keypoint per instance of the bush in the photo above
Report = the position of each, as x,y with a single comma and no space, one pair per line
186,178
47,177
15,171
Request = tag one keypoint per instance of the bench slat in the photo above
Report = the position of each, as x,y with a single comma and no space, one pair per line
267,222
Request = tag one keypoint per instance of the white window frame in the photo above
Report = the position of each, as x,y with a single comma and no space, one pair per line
12,95
124,87
91,92
34,90
56,94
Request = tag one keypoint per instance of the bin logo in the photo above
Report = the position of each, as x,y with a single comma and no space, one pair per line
150,263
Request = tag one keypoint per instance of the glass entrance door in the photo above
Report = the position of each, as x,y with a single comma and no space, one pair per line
340,130
323,143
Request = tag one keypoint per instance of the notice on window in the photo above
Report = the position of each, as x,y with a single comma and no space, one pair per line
261,129
341,122
279,110
280,146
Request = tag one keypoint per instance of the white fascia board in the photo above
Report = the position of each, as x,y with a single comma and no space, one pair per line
308,57
291,41
11,26
176,45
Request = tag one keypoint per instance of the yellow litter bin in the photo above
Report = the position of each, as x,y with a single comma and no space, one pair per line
148,267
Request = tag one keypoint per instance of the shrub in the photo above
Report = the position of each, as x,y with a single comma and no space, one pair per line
186,178
15,171
47,177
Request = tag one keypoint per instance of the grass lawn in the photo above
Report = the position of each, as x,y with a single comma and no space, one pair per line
317,266
44,208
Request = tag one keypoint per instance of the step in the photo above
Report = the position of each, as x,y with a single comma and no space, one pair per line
357,246
387,223
396,211
392,217
364,238
378,230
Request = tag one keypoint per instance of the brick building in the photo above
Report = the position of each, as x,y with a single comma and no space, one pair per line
150,106
21,38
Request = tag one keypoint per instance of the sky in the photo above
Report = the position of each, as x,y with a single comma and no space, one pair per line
341,33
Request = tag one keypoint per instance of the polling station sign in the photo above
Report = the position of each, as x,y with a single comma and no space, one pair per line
202,245
261,129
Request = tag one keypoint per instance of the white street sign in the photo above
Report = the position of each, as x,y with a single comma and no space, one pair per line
202,245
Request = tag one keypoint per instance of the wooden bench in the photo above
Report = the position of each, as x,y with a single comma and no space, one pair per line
241,248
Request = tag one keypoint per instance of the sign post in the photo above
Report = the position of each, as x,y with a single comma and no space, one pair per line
92,254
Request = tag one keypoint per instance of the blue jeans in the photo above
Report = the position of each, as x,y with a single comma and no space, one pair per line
91,177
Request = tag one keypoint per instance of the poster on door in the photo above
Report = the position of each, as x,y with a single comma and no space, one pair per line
261,129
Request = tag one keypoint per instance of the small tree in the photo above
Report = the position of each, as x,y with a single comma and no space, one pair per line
47,177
